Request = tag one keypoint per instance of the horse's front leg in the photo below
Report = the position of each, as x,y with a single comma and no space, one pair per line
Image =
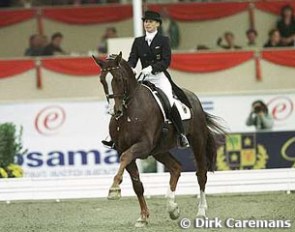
135,151
174,168
139,190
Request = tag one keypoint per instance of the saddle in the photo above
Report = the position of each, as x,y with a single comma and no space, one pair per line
164,104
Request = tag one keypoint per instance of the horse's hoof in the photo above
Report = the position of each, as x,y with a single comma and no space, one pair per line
175,213
141,223
201,213
114,193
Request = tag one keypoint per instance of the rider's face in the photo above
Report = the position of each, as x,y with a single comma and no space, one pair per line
150,25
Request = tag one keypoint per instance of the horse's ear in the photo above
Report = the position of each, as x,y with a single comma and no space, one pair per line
101,63
118,58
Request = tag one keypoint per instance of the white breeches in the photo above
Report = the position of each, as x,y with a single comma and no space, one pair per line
162,82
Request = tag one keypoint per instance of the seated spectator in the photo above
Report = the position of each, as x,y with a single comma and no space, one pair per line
36,46
170,29
44,40
110,32
53,48
229,41
251,37
5,3
274,39
286,26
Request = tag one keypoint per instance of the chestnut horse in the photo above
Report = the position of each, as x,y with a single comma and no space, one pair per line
136,127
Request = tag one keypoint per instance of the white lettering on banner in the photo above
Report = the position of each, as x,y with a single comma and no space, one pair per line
77,128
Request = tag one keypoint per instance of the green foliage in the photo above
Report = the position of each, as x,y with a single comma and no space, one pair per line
10,144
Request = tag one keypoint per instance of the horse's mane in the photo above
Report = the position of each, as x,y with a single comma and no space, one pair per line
127,67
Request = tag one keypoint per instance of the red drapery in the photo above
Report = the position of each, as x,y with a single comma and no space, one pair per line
209,62
10,68
89,15
192,62
274,6
72,66
9,17
200,11
285,58
112,13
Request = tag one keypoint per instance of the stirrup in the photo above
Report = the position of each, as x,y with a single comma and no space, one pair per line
183,142
109,144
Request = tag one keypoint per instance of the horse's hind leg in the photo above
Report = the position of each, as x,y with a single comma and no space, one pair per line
174,168
138,189
199,151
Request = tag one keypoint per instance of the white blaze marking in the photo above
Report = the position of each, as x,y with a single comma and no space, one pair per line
109,78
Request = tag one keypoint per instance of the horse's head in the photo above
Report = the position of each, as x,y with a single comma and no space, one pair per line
114,80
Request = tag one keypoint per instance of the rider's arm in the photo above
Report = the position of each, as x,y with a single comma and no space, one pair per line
165,60
133,56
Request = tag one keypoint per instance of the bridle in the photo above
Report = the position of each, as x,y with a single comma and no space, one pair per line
123,96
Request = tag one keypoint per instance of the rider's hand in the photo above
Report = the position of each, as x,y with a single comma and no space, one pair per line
134,71
147,71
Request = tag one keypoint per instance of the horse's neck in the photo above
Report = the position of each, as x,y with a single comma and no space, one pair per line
133,84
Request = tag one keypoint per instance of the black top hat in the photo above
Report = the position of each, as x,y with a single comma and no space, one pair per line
152,15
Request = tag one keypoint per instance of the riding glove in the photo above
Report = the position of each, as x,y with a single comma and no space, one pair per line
134,71
147,71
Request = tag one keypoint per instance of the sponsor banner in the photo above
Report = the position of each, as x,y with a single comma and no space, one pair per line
235,109
261,150
62,138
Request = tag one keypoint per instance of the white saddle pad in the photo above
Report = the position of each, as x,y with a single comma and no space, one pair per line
183,110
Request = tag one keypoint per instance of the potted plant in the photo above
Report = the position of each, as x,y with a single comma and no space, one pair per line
10,146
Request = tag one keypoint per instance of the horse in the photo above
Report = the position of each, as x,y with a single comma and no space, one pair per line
136,127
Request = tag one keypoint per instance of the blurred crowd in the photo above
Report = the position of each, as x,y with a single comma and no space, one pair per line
283,35
31,3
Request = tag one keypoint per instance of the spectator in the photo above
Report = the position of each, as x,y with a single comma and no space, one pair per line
44,40
259,116
251,37
274,39
229,41
111,32
5,3
36,46
53,48
286,26
170,29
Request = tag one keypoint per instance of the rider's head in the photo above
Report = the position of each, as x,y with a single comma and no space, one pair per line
151,21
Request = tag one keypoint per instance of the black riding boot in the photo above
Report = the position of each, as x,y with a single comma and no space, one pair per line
177,122
109,144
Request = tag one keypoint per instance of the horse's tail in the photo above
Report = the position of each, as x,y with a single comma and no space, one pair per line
215,130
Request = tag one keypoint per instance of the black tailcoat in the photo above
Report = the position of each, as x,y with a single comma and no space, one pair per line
158,55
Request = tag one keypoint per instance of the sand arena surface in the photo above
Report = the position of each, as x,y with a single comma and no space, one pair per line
101,215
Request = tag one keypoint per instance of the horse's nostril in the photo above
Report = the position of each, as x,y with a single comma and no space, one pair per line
119,113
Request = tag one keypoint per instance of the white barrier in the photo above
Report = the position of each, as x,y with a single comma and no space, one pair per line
155,184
